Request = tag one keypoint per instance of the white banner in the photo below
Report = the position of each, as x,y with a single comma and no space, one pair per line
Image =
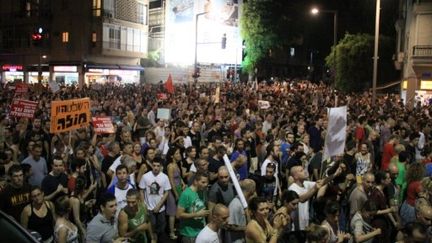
235,181
336,132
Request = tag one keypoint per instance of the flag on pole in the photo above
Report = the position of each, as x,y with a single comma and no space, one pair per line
336,132
169,86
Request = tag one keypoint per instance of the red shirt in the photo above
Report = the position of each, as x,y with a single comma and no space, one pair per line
413,189
388,153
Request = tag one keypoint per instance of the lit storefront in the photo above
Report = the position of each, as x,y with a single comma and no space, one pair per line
66,75
12,73
114,76
423,94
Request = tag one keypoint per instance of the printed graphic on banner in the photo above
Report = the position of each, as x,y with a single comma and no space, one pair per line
23,108
67,115
21,88
162,96
263,104
102,125
336,132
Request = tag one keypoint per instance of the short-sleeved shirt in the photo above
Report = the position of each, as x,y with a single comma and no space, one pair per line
360,227
39,170
207,235
154,188
101,230
13,200
356,200
192,202
221,194
50,184
237,216
303,208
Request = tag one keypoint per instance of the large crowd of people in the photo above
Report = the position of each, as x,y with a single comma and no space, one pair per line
166,180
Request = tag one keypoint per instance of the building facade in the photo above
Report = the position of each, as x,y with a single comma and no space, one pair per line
414,50
73,42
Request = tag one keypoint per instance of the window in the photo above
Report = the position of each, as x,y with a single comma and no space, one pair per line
94,37
96,8
108,8
142,13
65,37
114,38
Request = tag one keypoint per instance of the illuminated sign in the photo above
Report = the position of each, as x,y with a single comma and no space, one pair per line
215,19
405,84
426,85
12,68
65,69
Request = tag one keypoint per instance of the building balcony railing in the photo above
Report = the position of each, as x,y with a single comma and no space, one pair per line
113,45
422,51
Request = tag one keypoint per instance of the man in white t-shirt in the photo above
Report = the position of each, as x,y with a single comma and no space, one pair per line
305,190
211,233
155,187
121,187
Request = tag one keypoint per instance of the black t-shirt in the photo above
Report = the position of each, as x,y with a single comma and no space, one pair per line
50,184
196,140
350,162
13,200
107,162
214,164
267,187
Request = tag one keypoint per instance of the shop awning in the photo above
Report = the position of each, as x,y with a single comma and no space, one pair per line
101,66
132,67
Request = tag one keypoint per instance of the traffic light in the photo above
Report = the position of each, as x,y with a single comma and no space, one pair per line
37,37
224,39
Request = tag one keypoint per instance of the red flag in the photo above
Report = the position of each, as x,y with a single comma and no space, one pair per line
169,85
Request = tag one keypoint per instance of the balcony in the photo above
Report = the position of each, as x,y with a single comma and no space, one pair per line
422,55
114,48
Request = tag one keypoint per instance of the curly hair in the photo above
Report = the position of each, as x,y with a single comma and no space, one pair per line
415,172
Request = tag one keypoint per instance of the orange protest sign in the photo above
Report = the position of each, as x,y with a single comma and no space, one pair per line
67,115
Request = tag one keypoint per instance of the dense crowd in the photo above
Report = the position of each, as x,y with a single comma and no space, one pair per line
156,180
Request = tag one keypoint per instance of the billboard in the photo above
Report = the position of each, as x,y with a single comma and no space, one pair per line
216,18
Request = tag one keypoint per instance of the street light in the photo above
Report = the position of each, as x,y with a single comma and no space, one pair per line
316,11
196,45
375,58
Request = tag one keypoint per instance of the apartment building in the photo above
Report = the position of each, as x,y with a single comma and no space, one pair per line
414,50
73,42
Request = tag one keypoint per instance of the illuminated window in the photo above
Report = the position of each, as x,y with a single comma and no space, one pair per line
65,37
96,8
94,37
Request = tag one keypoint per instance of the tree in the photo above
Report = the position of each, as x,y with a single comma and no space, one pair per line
267,26
353,61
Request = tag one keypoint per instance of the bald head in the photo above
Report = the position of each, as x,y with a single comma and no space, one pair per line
220,215
393,169
297,172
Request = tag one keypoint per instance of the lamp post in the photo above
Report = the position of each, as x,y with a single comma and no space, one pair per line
196,45
316,11
375,58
